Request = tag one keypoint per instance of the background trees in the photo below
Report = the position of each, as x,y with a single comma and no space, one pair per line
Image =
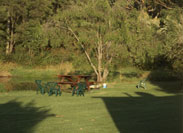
13,13
106,34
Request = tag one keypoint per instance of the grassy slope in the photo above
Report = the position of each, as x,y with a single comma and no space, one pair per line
119,108
13,69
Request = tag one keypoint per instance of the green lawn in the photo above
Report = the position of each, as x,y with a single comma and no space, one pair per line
119,108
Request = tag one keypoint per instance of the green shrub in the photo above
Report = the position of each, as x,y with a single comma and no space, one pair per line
127,73
162,75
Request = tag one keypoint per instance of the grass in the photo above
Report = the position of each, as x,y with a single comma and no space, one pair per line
119,108
13,69
32,73
51,71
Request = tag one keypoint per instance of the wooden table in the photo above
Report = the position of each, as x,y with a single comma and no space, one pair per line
74,79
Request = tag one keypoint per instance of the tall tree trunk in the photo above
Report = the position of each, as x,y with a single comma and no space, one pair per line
10,37
105,74
101,72
99,55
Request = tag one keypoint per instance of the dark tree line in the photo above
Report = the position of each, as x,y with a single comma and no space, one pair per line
105,33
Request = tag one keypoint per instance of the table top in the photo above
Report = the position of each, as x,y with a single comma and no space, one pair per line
81,76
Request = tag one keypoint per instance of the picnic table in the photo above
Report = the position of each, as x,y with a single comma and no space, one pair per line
74,79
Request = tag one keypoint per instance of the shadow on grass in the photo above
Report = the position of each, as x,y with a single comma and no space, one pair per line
14,117
146,113
166,80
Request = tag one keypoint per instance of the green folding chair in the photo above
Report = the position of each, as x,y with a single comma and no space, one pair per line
79,89
40,87
53,88
142,84
74,90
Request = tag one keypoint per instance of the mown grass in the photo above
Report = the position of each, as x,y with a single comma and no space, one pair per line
119,108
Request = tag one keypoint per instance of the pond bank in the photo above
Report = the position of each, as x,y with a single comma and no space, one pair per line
5,74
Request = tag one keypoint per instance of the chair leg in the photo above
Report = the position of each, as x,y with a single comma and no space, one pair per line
42,91
59,92
50,93
46,90
145,86
77,92
73,92
138,86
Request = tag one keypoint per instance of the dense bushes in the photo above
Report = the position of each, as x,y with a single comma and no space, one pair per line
100,36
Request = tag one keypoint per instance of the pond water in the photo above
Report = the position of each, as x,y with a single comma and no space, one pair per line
19,83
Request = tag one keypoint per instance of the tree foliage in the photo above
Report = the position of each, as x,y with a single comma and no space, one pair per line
104,34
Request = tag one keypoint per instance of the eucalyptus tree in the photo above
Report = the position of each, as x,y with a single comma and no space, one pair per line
154,7
16,13
31,36
92,25
13,13
58,5
171,34
3,19
39,10
137,31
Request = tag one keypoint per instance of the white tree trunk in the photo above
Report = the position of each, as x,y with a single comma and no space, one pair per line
99,55
101,72
10,37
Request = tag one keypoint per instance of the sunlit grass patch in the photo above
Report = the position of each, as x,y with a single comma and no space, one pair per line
120,107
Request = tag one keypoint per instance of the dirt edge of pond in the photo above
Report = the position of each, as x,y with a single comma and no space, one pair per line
5,74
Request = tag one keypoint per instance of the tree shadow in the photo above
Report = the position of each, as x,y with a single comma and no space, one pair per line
146,113
165,80
15,117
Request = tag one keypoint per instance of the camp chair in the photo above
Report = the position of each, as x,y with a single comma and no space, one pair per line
142,84
40,87
53,87
73,90
79,89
